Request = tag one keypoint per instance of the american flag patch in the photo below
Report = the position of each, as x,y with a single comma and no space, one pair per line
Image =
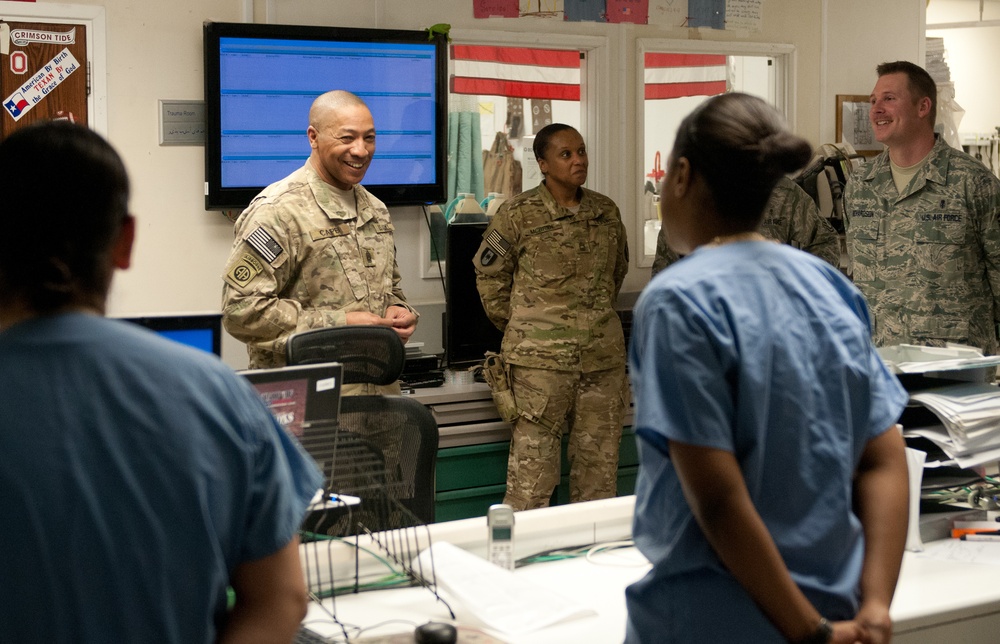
265,245
497,243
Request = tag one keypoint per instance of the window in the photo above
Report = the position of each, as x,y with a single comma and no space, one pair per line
677,76
507,86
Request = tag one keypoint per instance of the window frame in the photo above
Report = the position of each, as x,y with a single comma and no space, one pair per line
595,106
784,56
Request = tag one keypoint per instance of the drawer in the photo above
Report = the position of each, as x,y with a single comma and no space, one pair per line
463,504
472,466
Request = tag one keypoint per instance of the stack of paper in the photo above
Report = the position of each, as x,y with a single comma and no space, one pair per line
970,421
496,597
954,362
936,60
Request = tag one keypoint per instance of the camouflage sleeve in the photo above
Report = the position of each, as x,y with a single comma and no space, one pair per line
495,262
664,255
397,298
850,193
985,205
257,273
809,230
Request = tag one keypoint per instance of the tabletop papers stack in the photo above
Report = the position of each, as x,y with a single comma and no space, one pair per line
956,385
969,432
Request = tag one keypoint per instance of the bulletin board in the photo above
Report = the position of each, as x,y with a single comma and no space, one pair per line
853,125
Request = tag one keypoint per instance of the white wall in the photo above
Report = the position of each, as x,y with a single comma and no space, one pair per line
970,53
155,52
857,36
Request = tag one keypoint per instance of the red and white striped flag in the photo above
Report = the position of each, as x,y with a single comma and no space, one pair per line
524,72
677,75
516,71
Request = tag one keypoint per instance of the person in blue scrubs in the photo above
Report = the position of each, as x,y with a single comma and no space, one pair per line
772,489
139,478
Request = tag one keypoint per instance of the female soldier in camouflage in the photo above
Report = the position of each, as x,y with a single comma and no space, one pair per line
548,271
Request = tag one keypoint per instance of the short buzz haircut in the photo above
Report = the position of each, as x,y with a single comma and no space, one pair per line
329,102
919,81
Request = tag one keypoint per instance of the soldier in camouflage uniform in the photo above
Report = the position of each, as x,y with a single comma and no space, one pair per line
548,271
791,217
316,249
921,221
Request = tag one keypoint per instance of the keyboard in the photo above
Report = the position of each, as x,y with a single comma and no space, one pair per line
308,636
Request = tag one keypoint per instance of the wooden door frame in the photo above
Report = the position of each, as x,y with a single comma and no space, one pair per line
97,65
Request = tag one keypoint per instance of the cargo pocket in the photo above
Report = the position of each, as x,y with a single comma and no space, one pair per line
531,401
939,330
938,250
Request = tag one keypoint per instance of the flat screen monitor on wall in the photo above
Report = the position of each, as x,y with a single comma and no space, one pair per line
261,79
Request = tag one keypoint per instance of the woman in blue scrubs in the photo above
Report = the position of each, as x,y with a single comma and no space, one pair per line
772,490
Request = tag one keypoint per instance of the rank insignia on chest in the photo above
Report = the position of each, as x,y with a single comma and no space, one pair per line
369,257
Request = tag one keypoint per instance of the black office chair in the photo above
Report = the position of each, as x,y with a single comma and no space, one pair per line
383,448
372,354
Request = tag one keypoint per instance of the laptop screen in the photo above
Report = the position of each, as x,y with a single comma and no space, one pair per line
300,394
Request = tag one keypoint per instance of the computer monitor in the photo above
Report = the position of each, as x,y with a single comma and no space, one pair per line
199,330
300,394
468,333
261,79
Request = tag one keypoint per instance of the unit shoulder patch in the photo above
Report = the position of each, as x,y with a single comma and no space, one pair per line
242,271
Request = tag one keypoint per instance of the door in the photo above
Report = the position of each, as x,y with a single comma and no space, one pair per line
43,73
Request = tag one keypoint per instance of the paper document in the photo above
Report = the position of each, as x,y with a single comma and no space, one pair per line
970,412
967,551
497,597
915,467
909,358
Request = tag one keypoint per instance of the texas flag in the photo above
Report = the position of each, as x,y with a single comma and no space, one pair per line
16,105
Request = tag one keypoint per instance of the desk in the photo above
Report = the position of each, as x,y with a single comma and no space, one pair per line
466,415
473,448
936,602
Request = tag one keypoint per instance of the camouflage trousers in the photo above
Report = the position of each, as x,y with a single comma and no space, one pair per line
590,408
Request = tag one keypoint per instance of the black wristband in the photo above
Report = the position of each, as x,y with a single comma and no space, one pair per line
822,635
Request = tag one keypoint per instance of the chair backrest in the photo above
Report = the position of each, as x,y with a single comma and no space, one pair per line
384,451
370,354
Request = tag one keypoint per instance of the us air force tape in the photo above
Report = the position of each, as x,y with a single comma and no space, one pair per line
496,247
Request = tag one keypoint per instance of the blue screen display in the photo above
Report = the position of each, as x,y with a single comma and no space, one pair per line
199,330
199,338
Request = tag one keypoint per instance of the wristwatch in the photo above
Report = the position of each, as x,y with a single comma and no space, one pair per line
822,635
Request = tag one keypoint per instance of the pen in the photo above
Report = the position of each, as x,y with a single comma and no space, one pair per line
981,537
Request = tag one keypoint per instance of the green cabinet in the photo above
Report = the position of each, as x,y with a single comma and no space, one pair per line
473,477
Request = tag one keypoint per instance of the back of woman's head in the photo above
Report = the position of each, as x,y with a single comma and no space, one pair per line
741,147
67,194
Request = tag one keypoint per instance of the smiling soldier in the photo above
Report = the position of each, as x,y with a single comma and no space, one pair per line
921,223
316,248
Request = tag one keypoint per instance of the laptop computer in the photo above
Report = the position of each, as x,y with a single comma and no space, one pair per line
300,395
